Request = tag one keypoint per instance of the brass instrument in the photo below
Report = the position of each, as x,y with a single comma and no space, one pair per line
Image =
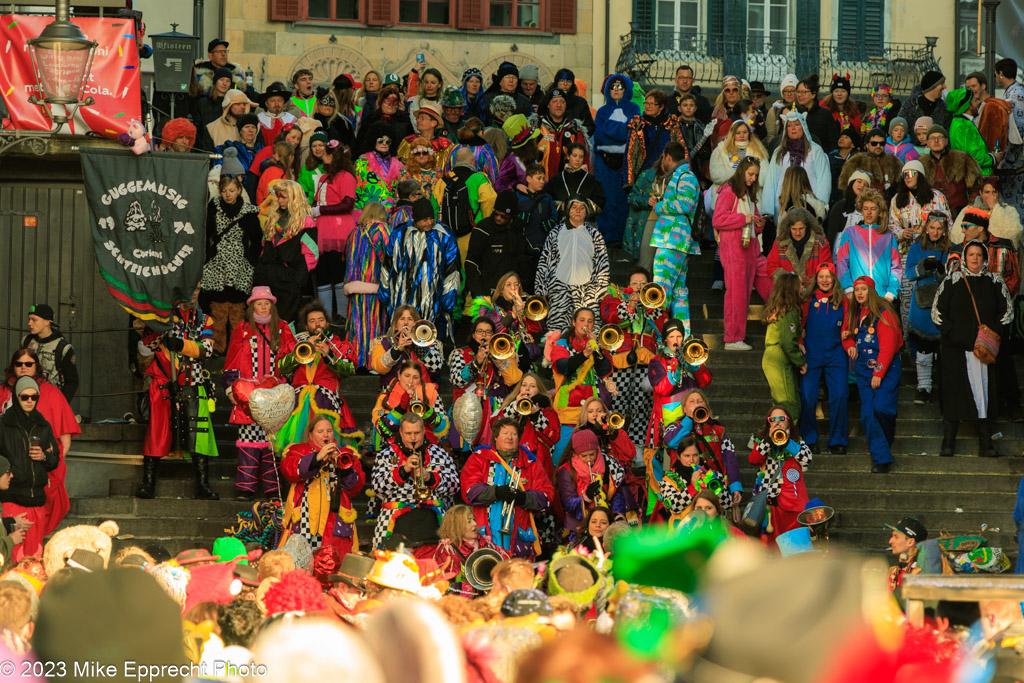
478,567
424,333
502,346
694,351
616,421
537,308
610,338
779,436
306,351
701,415
652,295
508,508
418,407
816,519
420,479
524,406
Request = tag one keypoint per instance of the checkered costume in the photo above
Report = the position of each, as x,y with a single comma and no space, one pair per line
397,492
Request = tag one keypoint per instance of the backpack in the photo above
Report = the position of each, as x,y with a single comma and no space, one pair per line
456,212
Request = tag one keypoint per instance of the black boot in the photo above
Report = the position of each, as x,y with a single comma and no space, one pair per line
949,428
147,489
203,490
985,447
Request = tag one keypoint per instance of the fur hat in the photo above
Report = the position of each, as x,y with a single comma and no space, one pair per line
502,104
244,120
975,215
453,97
83,536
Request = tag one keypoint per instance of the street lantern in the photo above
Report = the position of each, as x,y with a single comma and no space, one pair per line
62,59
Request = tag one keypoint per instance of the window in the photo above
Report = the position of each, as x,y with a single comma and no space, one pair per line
345,10
425,12
515,14
861,29
677,23
767,25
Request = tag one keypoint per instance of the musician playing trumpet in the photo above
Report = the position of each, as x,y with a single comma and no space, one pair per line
641,325
782,456
325,476
408,393
509,308
412,476
672,378
587,478
506,486
397,346
616,445
473,368
678,482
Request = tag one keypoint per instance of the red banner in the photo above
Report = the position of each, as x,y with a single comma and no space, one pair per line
113,82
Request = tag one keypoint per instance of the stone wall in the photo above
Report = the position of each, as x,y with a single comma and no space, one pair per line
286,47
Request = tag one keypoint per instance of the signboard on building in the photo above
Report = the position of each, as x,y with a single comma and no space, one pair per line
172,60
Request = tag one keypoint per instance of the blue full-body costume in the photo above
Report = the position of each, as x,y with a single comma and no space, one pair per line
878,343
823,328
610,137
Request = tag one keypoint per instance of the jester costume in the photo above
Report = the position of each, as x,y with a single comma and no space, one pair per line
250,357
671,380
782,475
574,478
394,402
576,379
396,488
385,359
362,280
376,177
180,398
484,474
319,504
717,460
491,380
501,312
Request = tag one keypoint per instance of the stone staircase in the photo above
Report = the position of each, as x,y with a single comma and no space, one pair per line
956,495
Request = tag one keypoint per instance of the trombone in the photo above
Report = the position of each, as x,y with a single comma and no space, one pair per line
610,338
652,295
537,308
424,333
306,351
508,508
694,351
502,346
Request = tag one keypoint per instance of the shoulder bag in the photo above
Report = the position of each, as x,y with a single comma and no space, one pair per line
986,344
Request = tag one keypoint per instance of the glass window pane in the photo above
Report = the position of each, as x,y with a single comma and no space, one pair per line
438,13
688,15
346,9
318,9
778,18
755,17
501,15
409,11
529,16
667,13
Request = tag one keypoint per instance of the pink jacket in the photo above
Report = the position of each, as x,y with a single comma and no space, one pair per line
727,215
336,200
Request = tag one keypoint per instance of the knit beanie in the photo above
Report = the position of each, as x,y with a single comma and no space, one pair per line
507,69
584,440
936,128
529,72
899,121
231,165
25,382
931,79
422,209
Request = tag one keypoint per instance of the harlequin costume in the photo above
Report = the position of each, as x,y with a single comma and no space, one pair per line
180,396
385,360
250,357
782,475
396,488
484,472
576,380
492,380
671,380
394,402
878,343
574,479
501,312
319,503
823,327
641,328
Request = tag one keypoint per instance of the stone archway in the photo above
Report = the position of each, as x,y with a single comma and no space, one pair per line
327,61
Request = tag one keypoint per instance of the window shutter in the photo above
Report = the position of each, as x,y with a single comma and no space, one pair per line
380,12
734,62
874,27
716,27
563,16
851,30
808,29
286,10
643,18
470,14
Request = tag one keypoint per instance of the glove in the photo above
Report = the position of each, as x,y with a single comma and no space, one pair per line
504,493
520,498
384,428
174,344
940,267
931,264
594,490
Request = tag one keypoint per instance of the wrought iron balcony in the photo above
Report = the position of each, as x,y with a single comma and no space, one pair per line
650,57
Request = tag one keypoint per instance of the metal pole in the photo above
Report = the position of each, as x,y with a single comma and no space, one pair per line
63,11
990,36
197,26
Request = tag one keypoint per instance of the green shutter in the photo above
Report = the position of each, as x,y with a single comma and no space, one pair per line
734,61
808,30
874,27
851,31
643,25
716,27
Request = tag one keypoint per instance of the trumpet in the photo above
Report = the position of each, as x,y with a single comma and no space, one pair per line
502,346
537,308
779,436
701,415
418,407
305,352
344,460
420,479
610,338
652,295
616,421
524,406
424,333
508,508
694,351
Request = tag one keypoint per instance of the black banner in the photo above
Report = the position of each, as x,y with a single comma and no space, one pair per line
148,227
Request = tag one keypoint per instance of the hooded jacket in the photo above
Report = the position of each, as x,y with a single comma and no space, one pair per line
816,163
612,122
495,249
576,108
222,130
28,487
912,109
963,133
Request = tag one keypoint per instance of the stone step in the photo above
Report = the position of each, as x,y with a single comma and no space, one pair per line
947,501
897,481
934,521
955,467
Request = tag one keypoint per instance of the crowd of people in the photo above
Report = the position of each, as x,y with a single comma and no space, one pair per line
435,234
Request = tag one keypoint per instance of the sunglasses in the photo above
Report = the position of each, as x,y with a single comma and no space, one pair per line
383,141
876,143
617,86
24,363
731,89
28,397
779,418
422,153
909,174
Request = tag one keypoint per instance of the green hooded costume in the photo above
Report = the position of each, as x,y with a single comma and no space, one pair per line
963,134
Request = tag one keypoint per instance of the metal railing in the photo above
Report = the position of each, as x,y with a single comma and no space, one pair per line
651,56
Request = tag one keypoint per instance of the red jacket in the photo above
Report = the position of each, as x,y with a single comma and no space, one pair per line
783,257
238,363
890,339
615,310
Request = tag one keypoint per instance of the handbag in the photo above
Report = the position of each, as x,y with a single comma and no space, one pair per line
986,344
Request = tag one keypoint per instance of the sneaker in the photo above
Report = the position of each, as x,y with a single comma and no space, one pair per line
881,468
738,346
717,286
923,397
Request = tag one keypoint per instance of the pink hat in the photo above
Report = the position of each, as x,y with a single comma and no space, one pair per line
261,292
584,440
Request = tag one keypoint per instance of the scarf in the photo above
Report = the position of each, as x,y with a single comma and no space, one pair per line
800,244
583,472
796,151
261,319
232,210
575,255
384,160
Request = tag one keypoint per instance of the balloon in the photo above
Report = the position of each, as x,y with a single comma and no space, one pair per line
468,416
270,408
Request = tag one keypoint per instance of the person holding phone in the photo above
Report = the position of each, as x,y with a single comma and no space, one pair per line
27,442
